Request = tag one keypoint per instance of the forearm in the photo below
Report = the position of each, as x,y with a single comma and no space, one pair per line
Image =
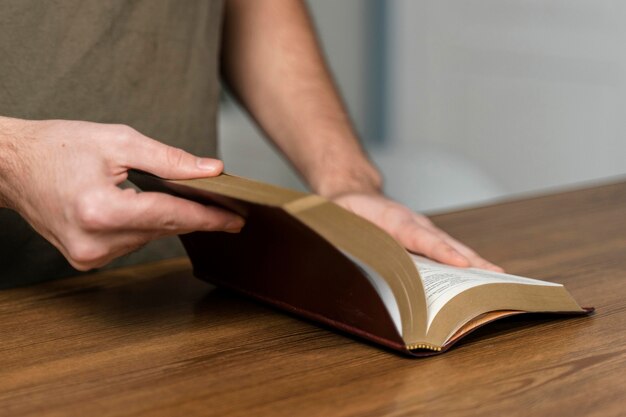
272,62
9,158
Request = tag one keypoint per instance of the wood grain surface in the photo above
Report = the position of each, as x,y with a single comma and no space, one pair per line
153,341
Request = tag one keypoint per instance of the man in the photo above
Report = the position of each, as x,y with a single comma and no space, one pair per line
81,79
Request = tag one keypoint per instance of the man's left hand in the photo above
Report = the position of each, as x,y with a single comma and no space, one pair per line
414,231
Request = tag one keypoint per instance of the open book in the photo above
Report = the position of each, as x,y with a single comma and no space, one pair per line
304,254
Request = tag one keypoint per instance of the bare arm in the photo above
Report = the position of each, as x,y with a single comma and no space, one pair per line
273,63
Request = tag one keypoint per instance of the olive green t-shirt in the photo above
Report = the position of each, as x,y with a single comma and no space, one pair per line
149,64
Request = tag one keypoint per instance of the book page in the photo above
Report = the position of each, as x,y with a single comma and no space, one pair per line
443,282
383,290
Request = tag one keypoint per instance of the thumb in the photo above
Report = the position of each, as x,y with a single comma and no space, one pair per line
167,161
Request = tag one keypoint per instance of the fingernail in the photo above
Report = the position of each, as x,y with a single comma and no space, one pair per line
488,266
234,226
210,165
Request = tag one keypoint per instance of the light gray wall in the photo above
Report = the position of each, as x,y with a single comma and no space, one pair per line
527,95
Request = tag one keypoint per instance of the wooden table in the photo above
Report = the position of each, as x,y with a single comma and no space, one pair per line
152,340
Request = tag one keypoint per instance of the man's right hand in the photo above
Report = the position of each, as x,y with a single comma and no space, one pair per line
63,176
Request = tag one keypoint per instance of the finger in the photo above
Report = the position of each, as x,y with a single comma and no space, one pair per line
423,221
421,240
475,259
167,161
86,250
163,214
113,245
172,215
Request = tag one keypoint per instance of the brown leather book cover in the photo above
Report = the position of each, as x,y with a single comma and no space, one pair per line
279,260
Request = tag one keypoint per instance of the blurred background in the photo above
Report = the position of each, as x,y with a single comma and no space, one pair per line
470,101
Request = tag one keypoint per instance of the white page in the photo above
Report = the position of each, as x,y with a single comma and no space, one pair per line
383,290
443,282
